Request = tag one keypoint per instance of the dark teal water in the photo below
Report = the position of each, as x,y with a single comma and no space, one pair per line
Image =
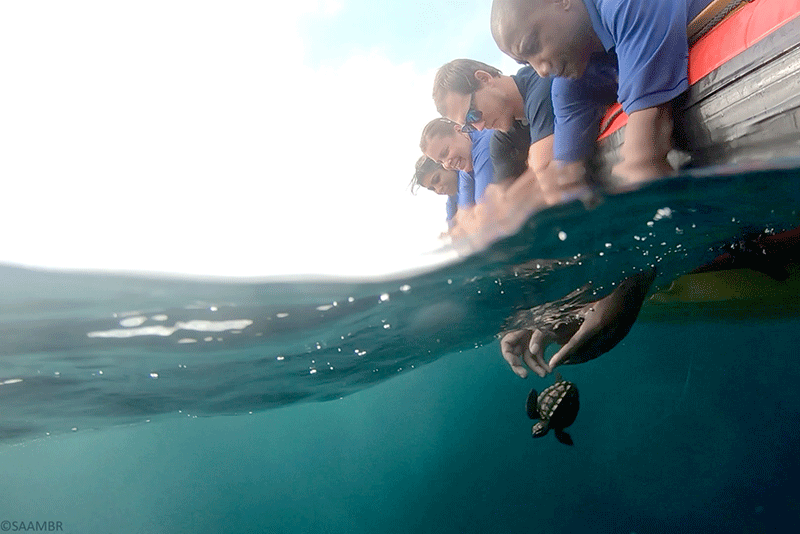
689,425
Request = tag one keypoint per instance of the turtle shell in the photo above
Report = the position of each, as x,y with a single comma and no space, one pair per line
558,404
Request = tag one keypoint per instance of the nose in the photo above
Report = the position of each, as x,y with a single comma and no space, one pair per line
542,68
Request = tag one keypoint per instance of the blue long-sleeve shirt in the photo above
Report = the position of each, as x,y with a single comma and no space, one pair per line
645,64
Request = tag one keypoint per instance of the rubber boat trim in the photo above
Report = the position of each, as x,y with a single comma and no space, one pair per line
740,30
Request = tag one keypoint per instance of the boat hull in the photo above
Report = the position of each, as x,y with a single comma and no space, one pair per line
743,104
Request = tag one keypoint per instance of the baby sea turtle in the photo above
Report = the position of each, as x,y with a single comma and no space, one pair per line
556,408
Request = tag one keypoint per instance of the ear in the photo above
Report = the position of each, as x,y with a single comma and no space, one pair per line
483,76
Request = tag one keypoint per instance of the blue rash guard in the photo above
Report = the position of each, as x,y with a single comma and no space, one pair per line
646,62
451,207
482,172
465,196
471,185
535,93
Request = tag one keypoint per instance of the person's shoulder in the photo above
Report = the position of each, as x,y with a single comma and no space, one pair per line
518,131
527,80
516,139
607,8
627,12
524,72
481,136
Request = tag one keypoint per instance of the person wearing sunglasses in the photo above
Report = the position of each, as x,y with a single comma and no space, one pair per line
644,43
478,96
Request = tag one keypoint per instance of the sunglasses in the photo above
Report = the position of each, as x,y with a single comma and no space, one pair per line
473,115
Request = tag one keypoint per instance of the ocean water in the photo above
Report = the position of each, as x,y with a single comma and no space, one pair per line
142,404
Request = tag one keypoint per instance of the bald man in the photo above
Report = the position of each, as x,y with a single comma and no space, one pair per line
578,41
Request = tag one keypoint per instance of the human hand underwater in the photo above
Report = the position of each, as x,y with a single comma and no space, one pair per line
563,182
605,323
515,347
528,346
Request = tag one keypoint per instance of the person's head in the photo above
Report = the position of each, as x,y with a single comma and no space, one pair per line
555,37
434,177
470,93
443,141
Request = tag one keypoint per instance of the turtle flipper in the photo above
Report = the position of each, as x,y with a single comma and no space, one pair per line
563,437
531,406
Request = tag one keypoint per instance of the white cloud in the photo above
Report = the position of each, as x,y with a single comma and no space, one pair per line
192,137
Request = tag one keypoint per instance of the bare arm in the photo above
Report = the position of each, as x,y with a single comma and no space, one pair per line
555,178
606,322
648,139
540,154
603,325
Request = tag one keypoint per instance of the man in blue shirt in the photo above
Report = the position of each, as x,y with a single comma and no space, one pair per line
478,96
579,42
443,141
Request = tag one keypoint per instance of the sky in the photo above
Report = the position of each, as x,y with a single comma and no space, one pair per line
228,138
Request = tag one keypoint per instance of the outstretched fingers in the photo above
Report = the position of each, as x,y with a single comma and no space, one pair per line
513,346
534,356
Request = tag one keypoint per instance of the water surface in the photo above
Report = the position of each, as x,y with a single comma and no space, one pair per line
136,404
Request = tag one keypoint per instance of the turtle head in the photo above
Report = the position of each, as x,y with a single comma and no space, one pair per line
540,429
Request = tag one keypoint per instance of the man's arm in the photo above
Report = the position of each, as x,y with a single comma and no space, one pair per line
552,177
579,106
605,323
652,50
540,154
648,139
557,179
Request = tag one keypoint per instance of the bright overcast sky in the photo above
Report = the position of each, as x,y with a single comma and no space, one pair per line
224,137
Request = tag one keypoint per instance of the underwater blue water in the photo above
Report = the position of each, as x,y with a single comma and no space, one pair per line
133,404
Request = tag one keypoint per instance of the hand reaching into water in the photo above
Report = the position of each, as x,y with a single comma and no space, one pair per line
515,347
604,324
563,182
502,210
528,346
